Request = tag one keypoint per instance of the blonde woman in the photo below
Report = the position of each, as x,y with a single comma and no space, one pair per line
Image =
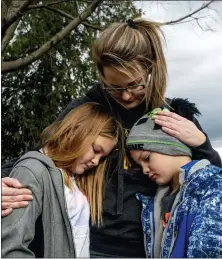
66,180
132,67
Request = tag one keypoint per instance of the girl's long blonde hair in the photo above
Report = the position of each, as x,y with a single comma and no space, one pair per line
67,140
135,49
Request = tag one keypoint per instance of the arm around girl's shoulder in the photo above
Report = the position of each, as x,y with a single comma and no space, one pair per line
18,229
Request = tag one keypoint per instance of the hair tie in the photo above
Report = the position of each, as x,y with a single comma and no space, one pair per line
131,23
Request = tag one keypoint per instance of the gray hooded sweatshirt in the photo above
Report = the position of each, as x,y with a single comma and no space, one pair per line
40,175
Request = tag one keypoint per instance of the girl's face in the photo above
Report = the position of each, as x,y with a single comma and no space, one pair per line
100,148
160,168
116,79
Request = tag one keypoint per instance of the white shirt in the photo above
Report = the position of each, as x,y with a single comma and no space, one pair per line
78,213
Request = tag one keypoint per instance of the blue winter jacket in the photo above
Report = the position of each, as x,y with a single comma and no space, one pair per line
195,224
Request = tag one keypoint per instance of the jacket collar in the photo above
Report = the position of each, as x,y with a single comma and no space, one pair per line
189,171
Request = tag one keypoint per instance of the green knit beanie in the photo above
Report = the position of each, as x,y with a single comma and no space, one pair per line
146,135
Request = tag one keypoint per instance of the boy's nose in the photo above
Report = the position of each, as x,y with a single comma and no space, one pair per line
146,170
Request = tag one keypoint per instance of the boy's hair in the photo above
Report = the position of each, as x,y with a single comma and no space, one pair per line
70,138
135,49
146,135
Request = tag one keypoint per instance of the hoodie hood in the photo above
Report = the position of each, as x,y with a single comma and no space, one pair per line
37,155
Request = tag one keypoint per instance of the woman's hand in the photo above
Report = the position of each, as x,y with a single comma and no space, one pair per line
14,195
179,127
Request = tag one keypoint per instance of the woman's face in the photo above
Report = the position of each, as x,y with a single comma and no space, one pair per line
117,79
100,148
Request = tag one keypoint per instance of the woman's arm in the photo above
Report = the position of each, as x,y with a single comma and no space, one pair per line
13,195
18,229
190,133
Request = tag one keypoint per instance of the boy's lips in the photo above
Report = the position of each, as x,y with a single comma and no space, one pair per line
152,176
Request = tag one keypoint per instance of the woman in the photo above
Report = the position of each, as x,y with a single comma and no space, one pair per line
66,179
131,63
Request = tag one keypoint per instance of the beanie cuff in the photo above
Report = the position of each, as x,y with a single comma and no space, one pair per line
163,147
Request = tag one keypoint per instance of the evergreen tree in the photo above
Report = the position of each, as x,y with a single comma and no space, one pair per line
33,95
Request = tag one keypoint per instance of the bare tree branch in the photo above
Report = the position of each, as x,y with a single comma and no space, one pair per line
93,26
188,15
13,65
109,4
48,4
15,16
52,9
9,35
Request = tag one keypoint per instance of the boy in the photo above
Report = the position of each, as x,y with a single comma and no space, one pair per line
184,219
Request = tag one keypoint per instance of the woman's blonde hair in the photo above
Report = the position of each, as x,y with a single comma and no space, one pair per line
136,48
67,140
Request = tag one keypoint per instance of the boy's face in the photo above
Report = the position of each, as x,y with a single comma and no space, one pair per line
159,168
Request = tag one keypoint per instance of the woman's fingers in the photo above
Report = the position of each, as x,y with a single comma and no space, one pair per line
173,133
6,212
14,205
13,195
11,182
8,191
16,198
170,124
183,129
172,115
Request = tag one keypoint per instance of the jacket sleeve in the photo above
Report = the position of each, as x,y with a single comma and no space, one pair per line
18,228
205,233
205,151
7,167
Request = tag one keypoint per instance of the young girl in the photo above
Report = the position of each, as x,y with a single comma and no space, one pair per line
184,219
66,179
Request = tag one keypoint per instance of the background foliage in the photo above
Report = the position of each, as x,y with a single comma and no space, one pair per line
33,96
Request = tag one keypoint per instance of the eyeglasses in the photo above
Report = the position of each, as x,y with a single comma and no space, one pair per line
133,89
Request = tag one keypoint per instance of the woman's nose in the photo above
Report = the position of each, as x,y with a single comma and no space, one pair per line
126,95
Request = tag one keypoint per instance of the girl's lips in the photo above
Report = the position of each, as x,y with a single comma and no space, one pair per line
89,167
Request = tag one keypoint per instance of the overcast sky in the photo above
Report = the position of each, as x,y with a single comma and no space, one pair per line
194,59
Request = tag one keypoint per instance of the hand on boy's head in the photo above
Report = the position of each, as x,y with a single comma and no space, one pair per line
179,127
13,195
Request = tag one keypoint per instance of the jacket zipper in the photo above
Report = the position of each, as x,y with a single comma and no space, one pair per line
144,235
153,233
174,212
166,229
144,238
70,225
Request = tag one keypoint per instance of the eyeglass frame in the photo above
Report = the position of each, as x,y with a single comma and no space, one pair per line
121,89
